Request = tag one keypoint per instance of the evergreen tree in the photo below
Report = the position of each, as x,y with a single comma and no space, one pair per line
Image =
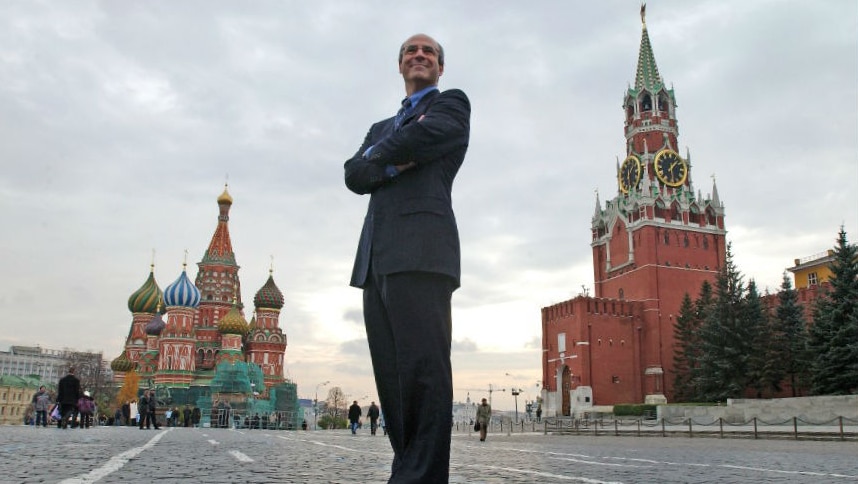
726,343
789,338
834,334
684,354
755,323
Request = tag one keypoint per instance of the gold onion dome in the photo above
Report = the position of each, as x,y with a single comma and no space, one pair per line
225,197
145,299
269,296
233,323
121,363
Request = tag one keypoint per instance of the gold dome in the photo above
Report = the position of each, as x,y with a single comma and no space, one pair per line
225,196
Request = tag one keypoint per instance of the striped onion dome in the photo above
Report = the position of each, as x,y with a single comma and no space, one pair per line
233,322
182,292
121,363
145,299
155,326
269,296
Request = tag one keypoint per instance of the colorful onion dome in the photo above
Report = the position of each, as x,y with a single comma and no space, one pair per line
182,292
224,197
155,326
233,322
269,296
145,299
121,363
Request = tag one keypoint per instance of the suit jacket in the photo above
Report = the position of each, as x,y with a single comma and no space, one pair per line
410,225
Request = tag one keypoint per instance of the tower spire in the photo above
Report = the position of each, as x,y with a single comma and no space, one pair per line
647,76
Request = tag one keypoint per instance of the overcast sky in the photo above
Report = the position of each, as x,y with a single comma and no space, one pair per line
120,122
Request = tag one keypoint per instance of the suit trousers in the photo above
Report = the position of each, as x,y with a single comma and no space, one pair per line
409,329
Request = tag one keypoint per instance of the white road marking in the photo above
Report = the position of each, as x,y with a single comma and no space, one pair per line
240,457
546,474
115,463
214,442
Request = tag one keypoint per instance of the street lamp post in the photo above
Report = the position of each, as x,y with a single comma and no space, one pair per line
316,405
515,393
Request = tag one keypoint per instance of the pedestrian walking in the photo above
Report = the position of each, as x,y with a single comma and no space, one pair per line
41,405
196,416
86,407
354,416
372,413
484,418
186,415
68,393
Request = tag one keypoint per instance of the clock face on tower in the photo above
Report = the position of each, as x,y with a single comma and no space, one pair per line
670,168
630,173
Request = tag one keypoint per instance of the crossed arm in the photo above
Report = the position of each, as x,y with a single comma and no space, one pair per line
444,127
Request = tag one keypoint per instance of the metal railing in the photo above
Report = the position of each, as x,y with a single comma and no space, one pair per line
798,428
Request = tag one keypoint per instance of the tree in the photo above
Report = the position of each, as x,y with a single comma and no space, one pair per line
336,403
724,338
686,352
834,334
756,322
790,337
130,387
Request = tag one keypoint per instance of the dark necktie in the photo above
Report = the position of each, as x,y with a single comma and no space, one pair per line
402,114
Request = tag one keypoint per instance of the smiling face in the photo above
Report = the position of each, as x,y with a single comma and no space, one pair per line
421,62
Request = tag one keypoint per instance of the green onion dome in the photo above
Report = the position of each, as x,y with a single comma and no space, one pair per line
121,363
145,299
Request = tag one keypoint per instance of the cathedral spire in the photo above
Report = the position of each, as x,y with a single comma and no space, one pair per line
647,76
220,248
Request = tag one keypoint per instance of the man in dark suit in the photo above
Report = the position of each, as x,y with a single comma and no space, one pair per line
68,393
408,261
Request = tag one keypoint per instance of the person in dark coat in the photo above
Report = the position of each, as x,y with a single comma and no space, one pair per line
68,393
196,415
372,413
186,416
126,413
153,405
408,260
354,416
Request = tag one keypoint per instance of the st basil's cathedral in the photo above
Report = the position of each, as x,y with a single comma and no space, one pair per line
181,337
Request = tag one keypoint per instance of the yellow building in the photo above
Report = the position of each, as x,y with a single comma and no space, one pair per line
813,270
16,396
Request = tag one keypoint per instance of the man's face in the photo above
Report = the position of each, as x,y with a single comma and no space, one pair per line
419,65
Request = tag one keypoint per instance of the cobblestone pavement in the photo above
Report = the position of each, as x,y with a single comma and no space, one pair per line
128,455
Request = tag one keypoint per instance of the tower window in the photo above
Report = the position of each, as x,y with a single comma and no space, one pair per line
622,294
666,238
812,279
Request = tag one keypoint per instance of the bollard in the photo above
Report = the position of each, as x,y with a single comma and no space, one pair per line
616,428
755,427
721,426
795,427
639,427
842,437
690,434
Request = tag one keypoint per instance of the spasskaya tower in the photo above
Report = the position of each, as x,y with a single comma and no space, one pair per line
655,240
